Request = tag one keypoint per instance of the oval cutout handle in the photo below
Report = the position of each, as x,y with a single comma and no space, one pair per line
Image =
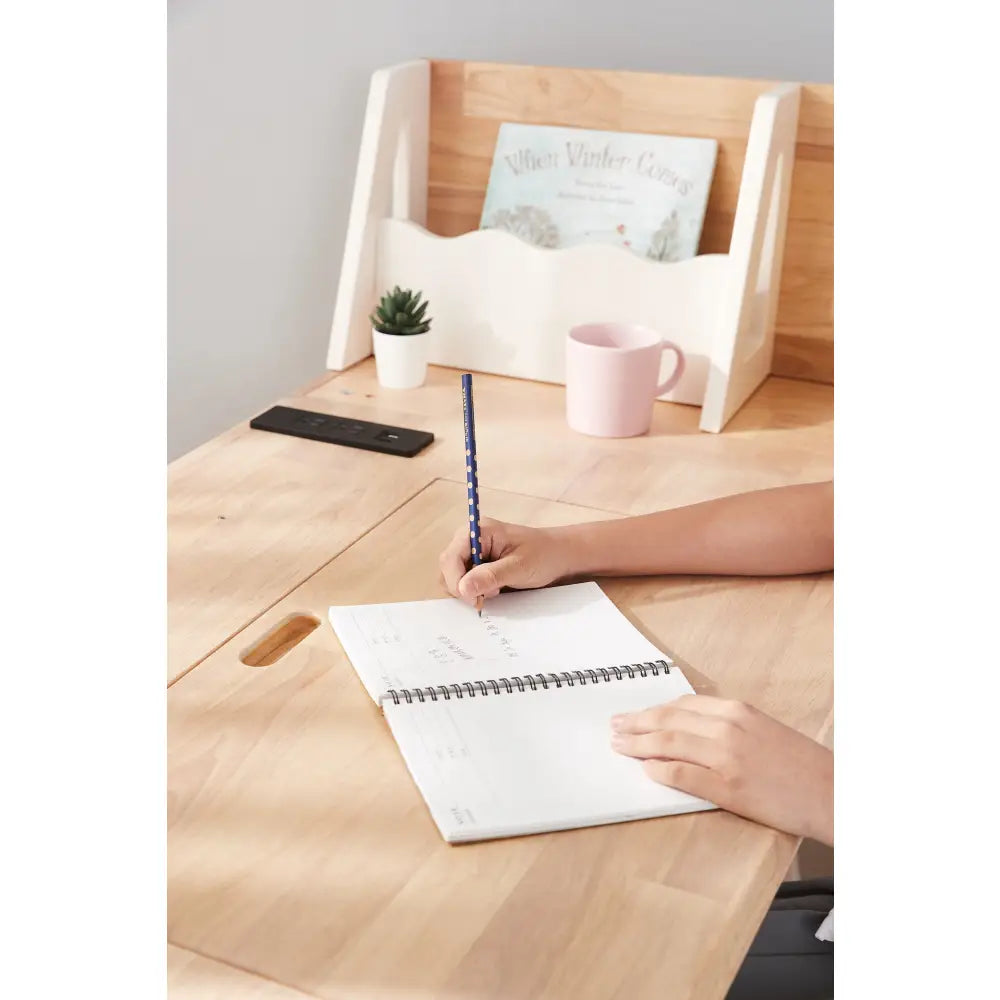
273,645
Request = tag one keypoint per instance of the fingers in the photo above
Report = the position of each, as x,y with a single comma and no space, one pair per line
679,713
692,732
670,718
673,744
690,778
480,581
454,560
724,708
486,579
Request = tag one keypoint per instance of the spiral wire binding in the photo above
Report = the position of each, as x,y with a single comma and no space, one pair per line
529,682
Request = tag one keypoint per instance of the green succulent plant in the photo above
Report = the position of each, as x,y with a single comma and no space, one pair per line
401,312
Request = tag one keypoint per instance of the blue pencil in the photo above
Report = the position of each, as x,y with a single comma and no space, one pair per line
471,477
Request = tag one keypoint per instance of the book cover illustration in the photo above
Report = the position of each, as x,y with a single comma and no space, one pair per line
558,187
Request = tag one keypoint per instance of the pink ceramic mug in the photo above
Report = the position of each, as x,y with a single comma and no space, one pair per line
612,371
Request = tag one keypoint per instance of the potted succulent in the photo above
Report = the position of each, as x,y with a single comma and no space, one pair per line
399,337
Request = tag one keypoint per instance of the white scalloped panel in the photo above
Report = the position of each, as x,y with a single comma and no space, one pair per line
502,306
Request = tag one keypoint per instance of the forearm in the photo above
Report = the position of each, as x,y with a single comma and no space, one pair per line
820,825
776,532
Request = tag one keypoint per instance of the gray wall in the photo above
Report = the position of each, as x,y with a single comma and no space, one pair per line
266,100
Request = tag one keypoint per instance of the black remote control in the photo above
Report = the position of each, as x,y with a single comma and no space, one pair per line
343,430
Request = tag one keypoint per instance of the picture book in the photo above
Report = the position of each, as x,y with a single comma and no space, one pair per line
558,187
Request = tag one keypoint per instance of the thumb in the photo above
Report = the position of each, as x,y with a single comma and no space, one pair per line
486,579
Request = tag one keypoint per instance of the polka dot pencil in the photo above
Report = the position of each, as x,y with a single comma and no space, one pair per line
471,478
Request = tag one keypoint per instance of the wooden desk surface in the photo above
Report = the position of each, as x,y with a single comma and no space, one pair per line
301,854
252,514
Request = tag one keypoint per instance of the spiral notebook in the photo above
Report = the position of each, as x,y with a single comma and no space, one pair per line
504,720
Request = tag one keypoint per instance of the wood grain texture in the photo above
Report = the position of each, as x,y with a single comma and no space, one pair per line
194,977
300,849
783,435
252,514
469,101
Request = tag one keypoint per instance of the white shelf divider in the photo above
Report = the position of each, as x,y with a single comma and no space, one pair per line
390,183
502,306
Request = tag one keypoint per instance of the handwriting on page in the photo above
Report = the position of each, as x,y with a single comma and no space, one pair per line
382,631
450,759
420,644
424,643
493,631
448,651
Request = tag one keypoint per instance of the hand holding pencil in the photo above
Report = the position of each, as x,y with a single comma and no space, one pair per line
519,558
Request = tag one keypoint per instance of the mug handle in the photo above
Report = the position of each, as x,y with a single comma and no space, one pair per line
678,370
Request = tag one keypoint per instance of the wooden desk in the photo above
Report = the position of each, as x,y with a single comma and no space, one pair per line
253,514
301,854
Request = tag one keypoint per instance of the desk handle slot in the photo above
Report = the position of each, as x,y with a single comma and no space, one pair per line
273,645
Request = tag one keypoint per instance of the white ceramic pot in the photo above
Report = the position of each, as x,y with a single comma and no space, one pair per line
401,361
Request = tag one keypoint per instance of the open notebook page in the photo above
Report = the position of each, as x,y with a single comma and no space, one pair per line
423,643
505,765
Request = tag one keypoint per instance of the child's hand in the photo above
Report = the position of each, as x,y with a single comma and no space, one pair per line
519,557
737,758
